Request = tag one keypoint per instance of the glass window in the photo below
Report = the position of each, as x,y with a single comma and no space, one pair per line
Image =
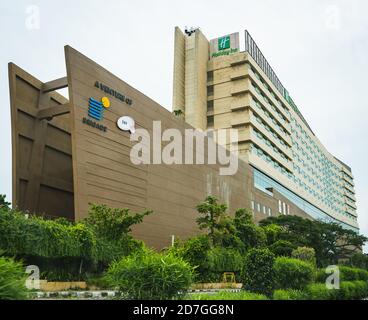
210,90
210,121
210,105
280,206
253,205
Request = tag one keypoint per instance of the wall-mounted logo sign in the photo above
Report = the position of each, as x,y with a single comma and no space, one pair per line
126,124
96,111
224,43
224,46
96,108
113,93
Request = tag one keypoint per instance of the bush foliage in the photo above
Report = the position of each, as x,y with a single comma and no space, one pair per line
12,280
63,249
150,275
305,254
258,273
292,273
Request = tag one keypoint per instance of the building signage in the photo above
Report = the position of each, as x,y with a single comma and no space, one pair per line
224,43
126,124
96,111
113,93
224,46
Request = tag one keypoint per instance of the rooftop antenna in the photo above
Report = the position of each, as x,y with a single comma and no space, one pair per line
190,31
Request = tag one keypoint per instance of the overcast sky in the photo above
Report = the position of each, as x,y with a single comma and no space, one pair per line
318,49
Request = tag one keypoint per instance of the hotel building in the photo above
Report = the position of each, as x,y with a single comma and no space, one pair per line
217,86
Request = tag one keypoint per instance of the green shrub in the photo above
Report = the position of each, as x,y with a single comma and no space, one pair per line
225,295
346,274
292,273
282,248
150,275
349,290
195,252
352,274
353,290
224,260
12,280
319,291
289,294
64,250
258,273
100,282
305,253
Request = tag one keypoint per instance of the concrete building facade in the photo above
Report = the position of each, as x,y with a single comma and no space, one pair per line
286,158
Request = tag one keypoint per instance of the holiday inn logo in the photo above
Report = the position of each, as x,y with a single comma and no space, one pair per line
225,46
224,43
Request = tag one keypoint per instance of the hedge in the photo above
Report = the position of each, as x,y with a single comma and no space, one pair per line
60,248
293,273
349,290
150,275
346,274
289,294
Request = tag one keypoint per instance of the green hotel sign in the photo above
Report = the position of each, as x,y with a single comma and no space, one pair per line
224,52
224,43
224,46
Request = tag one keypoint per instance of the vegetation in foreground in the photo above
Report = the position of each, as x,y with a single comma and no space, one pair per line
282,258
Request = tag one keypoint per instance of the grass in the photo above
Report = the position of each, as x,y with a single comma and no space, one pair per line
226,295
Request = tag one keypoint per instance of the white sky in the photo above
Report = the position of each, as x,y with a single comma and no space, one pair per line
318,49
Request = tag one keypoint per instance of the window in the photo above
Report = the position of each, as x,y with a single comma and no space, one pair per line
210,121
210,76
284,208
210,105
258,207
253,205
280,206
269,212
288,209
210,90
264,210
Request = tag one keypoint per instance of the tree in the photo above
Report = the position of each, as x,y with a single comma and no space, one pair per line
282,248
273,233
305,254
250,235
213,219
330,241
112,223
3,202
359,260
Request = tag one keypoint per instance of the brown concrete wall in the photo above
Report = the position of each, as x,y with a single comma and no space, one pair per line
42,155
104,173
